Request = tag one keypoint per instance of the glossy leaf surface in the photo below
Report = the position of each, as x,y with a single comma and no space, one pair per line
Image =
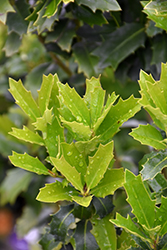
149,135
29,163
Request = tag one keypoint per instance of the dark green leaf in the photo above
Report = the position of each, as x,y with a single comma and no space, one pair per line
83,238
103,206
102,5
12,44
120,44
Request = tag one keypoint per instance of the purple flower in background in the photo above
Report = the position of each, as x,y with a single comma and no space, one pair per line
16,243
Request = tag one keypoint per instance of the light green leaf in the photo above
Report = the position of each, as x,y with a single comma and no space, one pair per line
83,201
52,7
161,216
98,164
24,99
71,98
120,44
86,147
45,92
113,179
74,158
116,116
27,135
104,233
54,102
156,11
54,135
68,171
79,131
154,164
5,124
16,181
54,192
5,7
128,225
28,163
41,123
102,5
139,199
148,135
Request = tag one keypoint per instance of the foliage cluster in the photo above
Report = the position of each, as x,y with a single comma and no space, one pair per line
68,133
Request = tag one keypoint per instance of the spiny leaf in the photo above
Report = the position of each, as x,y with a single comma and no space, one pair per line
5,7
45,92
52,7
54,136
82,200
86,147
41,123
27,135
24,99
128,225
29,163
98,164
54,192
154,164
104,232
113,179
161,216
149,135
116,116
139,199
74,158
120,44
83,238
71,98
103,206
102,5
79,131
68,171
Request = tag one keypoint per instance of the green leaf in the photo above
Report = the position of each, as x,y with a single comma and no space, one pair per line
68,171
83,201
83,238
63,34
154,164
102,5
104,233
74,158
98,165
51,8
71,98
86,61
156,11
161,216
113,179
103,206
88,16
79,131
24,99
45,92
12,44
27,135
16,181
148,135
125,241
54,136
139,199
86,147
129,226
120,44
54,192
116,116
41,123
158,184
5,7
29,163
